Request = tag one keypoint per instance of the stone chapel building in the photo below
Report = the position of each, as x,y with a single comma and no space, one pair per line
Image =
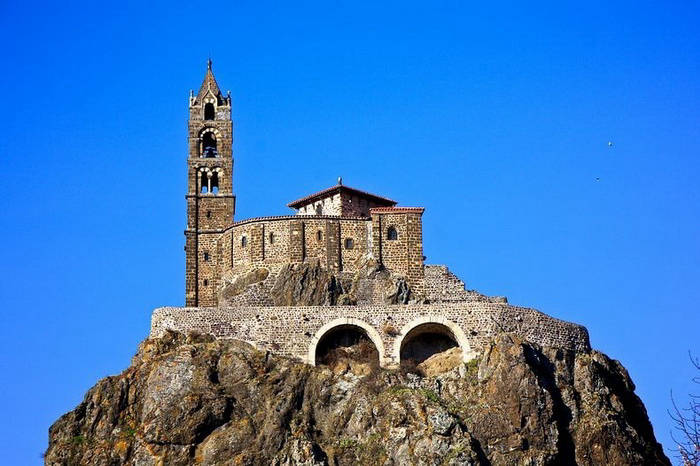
347,265
337,226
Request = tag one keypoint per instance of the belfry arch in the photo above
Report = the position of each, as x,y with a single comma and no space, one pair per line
428,335
209,139
344,328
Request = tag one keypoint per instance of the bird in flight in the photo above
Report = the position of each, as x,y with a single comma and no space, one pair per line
610,143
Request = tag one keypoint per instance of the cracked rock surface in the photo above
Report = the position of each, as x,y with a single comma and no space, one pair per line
193,400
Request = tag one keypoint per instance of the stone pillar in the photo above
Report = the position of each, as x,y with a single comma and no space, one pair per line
257,243
414,248
377,237
334,262
296,241
190,268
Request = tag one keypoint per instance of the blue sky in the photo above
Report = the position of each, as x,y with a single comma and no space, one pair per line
493,116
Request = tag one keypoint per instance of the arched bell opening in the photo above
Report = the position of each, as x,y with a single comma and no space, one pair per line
426,340
209,145
346,343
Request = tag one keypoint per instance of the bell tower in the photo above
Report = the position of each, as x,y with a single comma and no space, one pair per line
210,200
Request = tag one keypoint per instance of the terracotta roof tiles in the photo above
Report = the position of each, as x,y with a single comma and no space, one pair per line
396,210
338,189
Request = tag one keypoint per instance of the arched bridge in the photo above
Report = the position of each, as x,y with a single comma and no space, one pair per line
396,332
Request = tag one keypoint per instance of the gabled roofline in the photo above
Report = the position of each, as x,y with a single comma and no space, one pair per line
336,190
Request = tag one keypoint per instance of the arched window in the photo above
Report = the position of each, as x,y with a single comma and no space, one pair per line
204,183
209,111
349,243
209,145
391,234
214,181
244,241
319,235
209,182
272,238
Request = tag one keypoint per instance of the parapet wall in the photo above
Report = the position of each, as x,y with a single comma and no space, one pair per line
295,331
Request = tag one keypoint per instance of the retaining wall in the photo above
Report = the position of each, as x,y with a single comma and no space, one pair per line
295,331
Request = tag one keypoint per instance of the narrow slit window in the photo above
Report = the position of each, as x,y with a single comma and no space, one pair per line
272,238
319,235
244,241
349,243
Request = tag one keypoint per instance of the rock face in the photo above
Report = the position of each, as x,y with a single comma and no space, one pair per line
194,400
310,284
306,284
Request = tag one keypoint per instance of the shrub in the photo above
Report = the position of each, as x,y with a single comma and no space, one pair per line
410,366
390,330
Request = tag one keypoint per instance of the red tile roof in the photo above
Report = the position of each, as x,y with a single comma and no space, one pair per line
336,190
396,210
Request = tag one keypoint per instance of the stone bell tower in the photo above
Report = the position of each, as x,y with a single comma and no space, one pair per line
210,200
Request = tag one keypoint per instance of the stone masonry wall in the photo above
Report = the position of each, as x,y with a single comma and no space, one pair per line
277,240
343,204
294,331
443,286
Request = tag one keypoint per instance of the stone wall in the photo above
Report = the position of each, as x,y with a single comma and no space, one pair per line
294,331
341,204
330,205
339,244
276,240
403,253
442,286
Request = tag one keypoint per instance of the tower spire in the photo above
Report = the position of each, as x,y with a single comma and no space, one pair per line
209,85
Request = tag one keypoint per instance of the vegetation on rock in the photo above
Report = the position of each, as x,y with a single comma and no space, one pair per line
195,400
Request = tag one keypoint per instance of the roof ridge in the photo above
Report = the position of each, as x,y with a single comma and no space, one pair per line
338,188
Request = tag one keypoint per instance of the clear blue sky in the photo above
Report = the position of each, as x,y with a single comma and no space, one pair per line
495,117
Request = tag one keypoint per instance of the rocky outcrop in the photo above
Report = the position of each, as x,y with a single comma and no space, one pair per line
307,284
310,284
195,400
240,283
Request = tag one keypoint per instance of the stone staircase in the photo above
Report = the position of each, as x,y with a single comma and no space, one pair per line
442,286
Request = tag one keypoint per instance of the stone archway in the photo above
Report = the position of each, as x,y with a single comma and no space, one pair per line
347,322
434,325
